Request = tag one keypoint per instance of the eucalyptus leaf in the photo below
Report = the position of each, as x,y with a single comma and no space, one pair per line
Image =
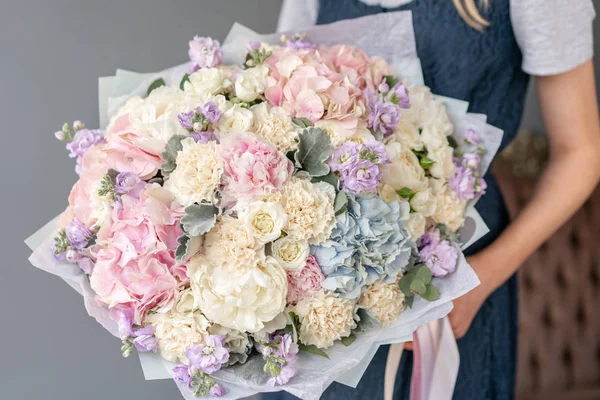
424,273
409,300
314,149
405,283
431,293
312,349
348,340
170,154
156,84
417,286
199,219
186,78
302,122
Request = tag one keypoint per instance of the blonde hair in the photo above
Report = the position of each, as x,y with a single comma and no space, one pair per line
469,11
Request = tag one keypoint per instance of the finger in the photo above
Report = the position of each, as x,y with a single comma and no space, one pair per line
408,346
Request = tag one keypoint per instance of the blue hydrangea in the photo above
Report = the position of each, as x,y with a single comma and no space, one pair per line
369,243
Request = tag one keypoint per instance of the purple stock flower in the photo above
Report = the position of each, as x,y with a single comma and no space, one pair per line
384,116
252,45
145,341
126,181
288,349
463,183
470,160
86,264
361,176
298,41
401,93
472,137
383,87
480,187
440,257
204,137
181,374
431,237
210,356
284,376
205,52
374,151
344,156
77,234
60,135
72,256
83,140
186,119
124,318
217,390
211,112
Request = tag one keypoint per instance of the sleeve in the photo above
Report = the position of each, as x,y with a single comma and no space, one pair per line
296,14
555,36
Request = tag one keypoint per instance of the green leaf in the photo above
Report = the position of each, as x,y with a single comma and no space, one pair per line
314,149
199,219
302,122
431,293
405,193
340,203
409,300
424,274
170,154
452,142
295,320
348,340
329,178
417,286
426,162
391,80
312,349
156,84
405,283
186,78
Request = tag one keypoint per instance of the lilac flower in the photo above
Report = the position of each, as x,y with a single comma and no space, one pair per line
286,373
440,257
126,181
362,176
288,349
298,41
77,234
210,356
217,390
374,151
145,341
344,156
472,137
186,119
83,140
401,93
384,116
211,112
181,374
470,160
463,183
431,237
205,52
204,137
86,264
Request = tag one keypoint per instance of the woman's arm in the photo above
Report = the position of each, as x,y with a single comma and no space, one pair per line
570,111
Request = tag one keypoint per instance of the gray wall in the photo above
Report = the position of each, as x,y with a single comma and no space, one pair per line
51,54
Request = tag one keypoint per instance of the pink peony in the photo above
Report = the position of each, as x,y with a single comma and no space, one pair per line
252,168
304,282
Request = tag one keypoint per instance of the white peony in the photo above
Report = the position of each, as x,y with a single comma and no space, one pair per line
309,207
425,111
450,210
175,334
275,125
251,83
264,220
230,242
423,202
242,297
277,323
291,252
236,119
433,138
385,300
443,163
404,169
198,172
415,225
208,82
324,318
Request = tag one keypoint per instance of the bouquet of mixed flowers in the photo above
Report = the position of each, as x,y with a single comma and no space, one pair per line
235,216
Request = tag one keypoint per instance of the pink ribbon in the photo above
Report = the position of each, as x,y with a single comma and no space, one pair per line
435,365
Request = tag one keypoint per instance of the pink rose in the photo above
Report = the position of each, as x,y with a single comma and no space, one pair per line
304,282
252,168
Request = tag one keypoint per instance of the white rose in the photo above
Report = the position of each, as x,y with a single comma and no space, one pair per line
236,119
423,202
324,318
309,207
229,242
415,225
436,115
197,174
242,297
251,83
185,302
433,138
407,135
236,341
175,334
291,252
450,210
275,125
443,163
385,300
264,220
404,169
420,98
208,82
388,194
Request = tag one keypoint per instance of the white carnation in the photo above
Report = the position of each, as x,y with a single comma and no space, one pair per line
175,334
251,83
264,220
230,242
197,174
385,300
275,125
235,119
242,297
450,210
324,318
208,82
309,208
291,252
404,170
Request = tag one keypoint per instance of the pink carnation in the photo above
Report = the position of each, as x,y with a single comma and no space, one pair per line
308,280
252,168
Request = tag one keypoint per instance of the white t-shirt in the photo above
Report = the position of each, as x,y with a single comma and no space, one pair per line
555,36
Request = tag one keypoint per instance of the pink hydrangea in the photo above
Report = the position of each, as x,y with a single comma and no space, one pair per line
304,282
252,168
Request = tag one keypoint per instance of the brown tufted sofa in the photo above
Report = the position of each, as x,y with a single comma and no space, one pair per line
559,321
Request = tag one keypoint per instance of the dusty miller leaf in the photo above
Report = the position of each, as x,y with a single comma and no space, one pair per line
252,370
188,246
366,321
302,122
170,154
314,149
199,219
